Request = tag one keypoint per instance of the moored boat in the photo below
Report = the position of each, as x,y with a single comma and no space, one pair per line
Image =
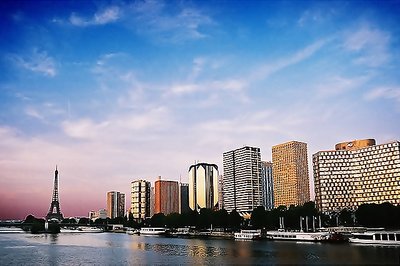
298,236
248,235
82,229
132,231
10,230
181,232
153,231
376,238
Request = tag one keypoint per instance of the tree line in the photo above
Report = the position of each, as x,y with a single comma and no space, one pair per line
369,215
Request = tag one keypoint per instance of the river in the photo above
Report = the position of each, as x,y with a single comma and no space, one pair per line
124,249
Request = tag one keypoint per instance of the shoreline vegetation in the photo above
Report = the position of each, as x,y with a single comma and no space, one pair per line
383,215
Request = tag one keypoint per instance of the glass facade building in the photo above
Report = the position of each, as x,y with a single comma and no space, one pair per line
267,185
203,186
183,197
115,204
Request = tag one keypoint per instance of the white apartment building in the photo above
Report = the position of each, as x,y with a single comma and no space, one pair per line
242,179
140,199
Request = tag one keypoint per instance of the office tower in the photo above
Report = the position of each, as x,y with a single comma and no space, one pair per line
140,199
100,214
357,172
221,192
166,196
183,198
115,204
242,179
267,185
152,201
290,174
203,186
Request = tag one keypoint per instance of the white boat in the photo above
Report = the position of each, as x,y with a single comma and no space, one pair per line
298,236
248,235
153,231
10,230
183,231
132,231
81,230
90,230
376,238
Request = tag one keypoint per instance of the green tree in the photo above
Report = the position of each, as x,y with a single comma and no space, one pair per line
235,220
205,218
30,219
190,218
346,217
83,221
38,226
259,217
309,209
158,220
173,220
220,218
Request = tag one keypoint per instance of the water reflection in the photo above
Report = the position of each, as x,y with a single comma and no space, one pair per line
196,250
117,249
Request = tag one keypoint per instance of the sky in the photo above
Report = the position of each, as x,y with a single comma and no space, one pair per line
115,91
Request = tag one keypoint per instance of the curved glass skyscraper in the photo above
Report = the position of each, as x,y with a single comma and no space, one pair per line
203,186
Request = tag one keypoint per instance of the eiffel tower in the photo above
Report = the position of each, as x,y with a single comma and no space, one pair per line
54,212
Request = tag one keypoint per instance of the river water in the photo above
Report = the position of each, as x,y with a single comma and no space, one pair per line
124,249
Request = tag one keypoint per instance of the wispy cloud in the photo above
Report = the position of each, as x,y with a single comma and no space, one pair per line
37,61
338,85
32,112
118,126
101,17
390,93
152,17
83,128
315,15
233,85
266,70
371,46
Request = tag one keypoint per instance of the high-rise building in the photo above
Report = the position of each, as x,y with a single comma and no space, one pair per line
242,179
166,196
357,172
267,185
140,199
221,192
183,197
100,214
115,204
203,186
290,174
152,201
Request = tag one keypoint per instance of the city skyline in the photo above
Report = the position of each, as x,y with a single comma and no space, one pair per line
117,91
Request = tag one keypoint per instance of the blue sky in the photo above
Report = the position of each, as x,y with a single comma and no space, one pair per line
114,91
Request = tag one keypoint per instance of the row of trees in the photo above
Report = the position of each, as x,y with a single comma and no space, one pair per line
37,225
368,215
382,215
206,218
